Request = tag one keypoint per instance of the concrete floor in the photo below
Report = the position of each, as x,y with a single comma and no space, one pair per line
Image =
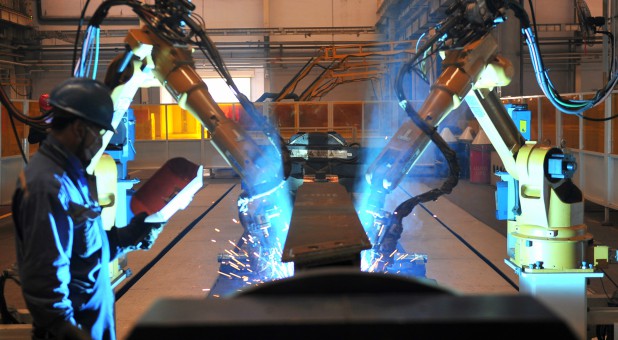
183,262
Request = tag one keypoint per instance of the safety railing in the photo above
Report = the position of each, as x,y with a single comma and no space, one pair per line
166,131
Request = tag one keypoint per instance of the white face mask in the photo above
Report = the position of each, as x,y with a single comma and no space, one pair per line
86,153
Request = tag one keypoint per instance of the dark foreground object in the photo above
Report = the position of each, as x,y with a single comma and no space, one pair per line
347,303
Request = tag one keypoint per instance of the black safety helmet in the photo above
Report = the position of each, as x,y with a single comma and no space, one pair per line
85,98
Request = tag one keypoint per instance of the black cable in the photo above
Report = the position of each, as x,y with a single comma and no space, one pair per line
414,61
611,43
288,87
609,277
95,21
565,106
79,28
315,81
536,33
212,54
607,297
597,119
12,110
7,317
17,92
611,39
166,26
14,113
393,225
605,331
406,207
451,28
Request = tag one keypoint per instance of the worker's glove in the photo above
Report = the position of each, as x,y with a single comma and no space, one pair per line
139,234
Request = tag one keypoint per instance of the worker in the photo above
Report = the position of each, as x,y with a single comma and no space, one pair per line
63,251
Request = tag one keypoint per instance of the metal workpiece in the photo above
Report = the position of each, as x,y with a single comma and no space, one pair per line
325,229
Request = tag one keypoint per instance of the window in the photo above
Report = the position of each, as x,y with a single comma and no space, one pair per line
218,89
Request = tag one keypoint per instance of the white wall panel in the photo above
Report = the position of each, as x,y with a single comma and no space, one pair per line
322,13
594,171
591,83
73,9
296,13
553,11
54,8
149,154
354,13
247,13
211,158
189,149
230,14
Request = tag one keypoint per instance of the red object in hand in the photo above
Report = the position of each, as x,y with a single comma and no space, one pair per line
163,186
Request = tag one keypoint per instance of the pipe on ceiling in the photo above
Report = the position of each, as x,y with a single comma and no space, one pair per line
75,20
13,63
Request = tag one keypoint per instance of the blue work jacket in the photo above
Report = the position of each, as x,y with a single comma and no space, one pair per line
63,252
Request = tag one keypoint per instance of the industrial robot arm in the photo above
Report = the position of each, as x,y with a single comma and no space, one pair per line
162,49
543,198
469,50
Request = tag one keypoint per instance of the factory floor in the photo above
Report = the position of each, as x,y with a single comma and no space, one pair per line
464,244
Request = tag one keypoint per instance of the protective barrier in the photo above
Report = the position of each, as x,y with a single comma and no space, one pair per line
480,163
164,131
